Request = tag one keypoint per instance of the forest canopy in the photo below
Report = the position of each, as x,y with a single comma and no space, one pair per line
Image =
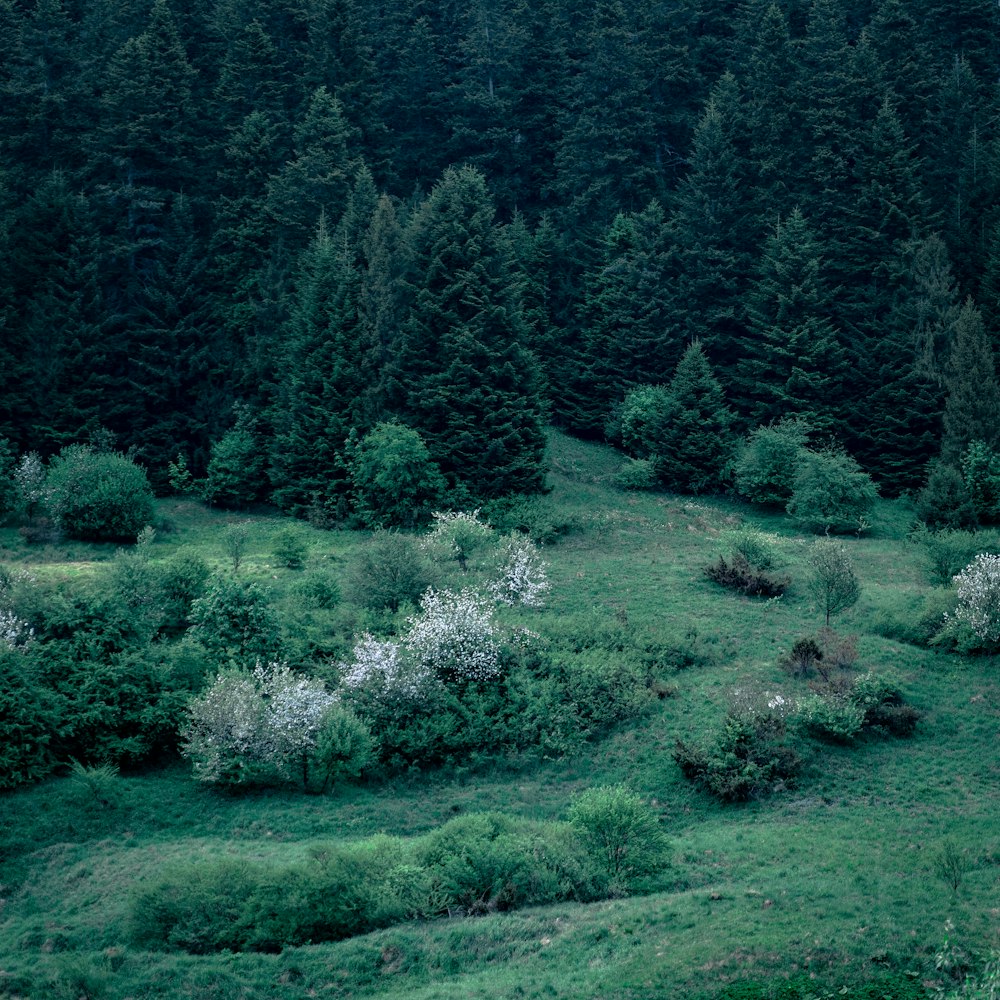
267,229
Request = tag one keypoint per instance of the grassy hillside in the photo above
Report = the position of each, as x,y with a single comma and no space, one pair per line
817,890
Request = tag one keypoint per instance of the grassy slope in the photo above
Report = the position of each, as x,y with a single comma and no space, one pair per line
833,877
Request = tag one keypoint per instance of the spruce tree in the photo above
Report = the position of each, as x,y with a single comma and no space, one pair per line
712,229
462,377
972,411
792,364
696,441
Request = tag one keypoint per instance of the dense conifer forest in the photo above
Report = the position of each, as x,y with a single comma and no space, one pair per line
305,218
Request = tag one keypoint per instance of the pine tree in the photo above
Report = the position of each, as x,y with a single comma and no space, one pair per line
462,377
318,378
972,412
319,176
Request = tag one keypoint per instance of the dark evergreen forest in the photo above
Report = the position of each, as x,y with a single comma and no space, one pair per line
269,227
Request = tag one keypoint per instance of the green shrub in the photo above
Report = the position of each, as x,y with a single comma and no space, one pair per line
8,487
234,621
643,416
741,576
980,466
390,570
749,758
318,589
883,705
538,517
621,833
945,501
30,716
637,474
98,496
831,493
766,465
235,475
290,548
396,482
182,580
835,718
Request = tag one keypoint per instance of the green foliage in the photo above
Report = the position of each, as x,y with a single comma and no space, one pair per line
98,496
235,540
643,416
831,493
538,517
749,758
8,488
637,474
30,718
834,717
695,444
745,578
388,571
179,476
290,548
767,463
234,621
833,584
235,476
945,501
621,832
182,580
396,483
473,865
981,472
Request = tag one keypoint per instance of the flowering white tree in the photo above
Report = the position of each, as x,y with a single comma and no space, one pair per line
522,577
385,668
29,483
457,535
15,632
257,725
455,635
978,588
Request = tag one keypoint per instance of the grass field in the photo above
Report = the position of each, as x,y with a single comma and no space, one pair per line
829,885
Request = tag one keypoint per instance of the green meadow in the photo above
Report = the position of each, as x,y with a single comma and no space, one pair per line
873,874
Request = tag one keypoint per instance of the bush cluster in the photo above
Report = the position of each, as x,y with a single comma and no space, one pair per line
473,865
825,490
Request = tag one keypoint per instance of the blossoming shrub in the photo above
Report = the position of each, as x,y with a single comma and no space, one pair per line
521,576
978,589
270,725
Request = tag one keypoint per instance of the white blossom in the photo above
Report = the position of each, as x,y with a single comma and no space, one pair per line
978,588
15,632
388,669
455,635
267,719
29,480
522,574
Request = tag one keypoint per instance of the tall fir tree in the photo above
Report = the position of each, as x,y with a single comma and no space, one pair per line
462,376
713,229
972,411
791,364
695,443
